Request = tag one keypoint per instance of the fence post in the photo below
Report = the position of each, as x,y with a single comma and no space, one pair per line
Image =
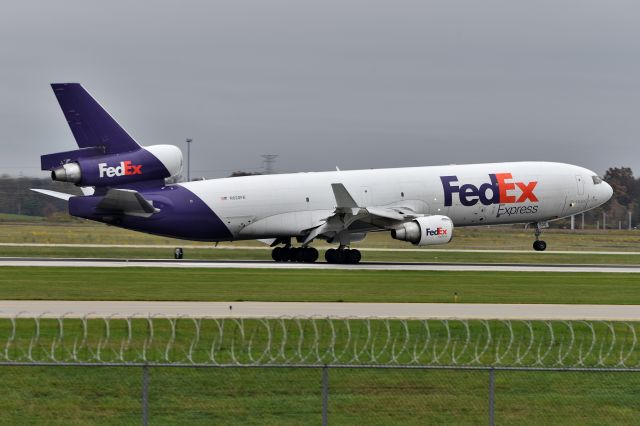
325,395
492,383
145,395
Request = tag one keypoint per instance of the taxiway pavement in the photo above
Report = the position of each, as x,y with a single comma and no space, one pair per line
259,264
462,311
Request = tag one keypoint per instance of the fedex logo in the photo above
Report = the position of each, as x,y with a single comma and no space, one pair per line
501,190
124,169
435,232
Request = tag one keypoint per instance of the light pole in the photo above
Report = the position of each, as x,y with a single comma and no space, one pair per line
189,140
269,159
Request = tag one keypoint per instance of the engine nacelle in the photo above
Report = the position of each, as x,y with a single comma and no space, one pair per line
425,231
148,163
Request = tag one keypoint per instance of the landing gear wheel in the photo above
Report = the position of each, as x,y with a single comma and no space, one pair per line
276,254
296,254
285,254
310,254
343,256
340,256
352,256
539,245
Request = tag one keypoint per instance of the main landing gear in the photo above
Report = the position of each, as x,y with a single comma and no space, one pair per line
538,244
343,255
294,254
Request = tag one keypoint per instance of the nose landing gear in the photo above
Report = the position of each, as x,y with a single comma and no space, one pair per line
538,244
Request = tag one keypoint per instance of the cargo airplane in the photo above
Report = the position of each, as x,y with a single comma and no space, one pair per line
124,184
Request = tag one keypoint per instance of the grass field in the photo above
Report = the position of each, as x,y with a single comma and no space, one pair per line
20,218
395,251
497,237
135,283
108,395
241,396
275,396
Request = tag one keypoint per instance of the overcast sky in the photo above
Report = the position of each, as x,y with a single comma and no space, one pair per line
355,84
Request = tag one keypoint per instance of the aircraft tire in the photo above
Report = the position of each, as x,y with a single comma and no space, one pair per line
353,256
539,245
295,254
285,254
276,254
330,256
310,254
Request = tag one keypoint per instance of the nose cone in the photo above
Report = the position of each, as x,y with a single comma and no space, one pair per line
606,192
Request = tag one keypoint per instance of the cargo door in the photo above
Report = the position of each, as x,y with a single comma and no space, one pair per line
580,185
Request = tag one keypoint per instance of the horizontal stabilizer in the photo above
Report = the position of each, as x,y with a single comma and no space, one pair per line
55,194
52,161
127,201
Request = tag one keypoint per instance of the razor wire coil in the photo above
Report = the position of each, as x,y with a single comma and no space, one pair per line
318,341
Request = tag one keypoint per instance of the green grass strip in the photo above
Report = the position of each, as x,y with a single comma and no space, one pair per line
137,283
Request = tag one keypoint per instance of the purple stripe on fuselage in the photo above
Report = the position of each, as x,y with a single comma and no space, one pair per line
182,215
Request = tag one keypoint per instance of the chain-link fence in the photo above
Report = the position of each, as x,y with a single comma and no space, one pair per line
317,371
110,394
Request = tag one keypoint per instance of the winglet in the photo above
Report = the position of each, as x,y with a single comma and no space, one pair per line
343,198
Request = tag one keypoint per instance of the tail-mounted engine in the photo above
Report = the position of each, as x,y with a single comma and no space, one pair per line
92,167
425,231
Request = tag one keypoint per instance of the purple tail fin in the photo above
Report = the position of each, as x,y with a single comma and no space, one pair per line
90,124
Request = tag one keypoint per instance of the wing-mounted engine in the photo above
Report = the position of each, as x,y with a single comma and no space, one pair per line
92,167
425,231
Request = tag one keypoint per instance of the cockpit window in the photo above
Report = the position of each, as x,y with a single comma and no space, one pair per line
596,180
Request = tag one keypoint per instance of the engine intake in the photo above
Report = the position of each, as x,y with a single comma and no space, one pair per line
425,231
69,172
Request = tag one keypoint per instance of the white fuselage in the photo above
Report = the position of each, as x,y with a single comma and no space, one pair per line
269,206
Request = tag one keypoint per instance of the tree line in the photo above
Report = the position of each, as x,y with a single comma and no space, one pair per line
16,197
625,202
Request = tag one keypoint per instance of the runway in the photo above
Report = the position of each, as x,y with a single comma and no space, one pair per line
363,249
260,264
462,311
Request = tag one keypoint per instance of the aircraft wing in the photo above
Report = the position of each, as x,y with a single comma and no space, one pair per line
345,204
347,212
128,202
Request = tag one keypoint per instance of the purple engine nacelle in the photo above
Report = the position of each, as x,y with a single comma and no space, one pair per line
85,168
